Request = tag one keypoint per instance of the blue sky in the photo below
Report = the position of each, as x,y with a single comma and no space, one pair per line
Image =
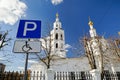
73,14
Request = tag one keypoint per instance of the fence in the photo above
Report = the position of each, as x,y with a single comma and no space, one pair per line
11,76
73,76
111,75
51,75
35,75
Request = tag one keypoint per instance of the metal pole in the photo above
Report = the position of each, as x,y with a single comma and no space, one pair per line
27,54
26,63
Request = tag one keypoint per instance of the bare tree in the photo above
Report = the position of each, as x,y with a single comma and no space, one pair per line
114,48
109,52
89,53
46,53
3,42
94,50
117,46
4,39
85,49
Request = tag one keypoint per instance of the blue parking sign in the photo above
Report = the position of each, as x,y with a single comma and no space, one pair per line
29,29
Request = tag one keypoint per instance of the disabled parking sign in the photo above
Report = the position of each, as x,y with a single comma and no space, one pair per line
29,29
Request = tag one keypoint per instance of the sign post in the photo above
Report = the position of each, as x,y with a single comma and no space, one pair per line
26,61
28,29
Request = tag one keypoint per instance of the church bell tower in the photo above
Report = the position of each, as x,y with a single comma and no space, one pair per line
58,39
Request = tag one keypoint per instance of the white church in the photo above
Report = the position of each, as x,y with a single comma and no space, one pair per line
61,62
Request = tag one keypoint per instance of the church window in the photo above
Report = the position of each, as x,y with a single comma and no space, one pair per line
56,45
61,37
56,36
61,45
56,25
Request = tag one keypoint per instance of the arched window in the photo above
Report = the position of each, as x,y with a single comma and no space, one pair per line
56,36
61,45
56,25
61,37
56,45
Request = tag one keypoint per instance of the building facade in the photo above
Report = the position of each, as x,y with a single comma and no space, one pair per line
74,64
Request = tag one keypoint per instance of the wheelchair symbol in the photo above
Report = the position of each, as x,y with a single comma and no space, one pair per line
26,48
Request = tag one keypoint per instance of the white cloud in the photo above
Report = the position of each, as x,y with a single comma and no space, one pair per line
21,68
67,46
1,58
32,61
11,11
56,2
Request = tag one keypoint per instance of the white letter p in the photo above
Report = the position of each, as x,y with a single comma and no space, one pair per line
29,29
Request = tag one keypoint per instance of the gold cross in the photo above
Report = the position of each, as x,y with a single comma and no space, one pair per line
57,15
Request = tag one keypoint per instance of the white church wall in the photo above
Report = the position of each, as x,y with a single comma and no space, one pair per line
38,67
116,66
66,64
71,64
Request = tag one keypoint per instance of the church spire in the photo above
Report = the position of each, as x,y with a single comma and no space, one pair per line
92,30
57,23
90,23
57,17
